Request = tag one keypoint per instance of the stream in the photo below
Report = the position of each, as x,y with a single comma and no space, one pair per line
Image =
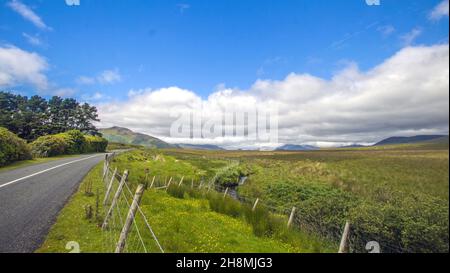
232,191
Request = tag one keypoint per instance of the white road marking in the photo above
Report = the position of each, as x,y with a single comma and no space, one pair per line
44,171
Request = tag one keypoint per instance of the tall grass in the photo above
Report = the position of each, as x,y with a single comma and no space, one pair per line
263,222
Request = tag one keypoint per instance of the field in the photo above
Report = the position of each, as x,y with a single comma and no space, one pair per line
394,195
182,224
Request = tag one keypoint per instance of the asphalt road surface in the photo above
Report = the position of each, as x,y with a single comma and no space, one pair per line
31,198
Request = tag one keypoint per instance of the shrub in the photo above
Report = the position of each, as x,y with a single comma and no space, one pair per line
77,140
95,144
71,142
12,148
231,175
51,145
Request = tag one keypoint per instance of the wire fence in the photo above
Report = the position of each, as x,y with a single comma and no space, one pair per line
125,227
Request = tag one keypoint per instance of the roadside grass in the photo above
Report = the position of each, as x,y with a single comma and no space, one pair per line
34,161
181,225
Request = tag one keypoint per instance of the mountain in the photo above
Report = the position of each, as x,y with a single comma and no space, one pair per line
406,140
292,147
201,147
126,136
353,146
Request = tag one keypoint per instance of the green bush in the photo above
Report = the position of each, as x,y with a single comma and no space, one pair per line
12,148
231,175
51,145
95,144
71,142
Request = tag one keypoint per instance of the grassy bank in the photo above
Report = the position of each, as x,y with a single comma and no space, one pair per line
181,224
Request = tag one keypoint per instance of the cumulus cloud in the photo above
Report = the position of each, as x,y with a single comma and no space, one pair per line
28,14
18,66
440,11
407,94
105,77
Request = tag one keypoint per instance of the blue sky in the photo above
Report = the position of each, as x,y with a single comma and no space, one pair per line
340,72
198,45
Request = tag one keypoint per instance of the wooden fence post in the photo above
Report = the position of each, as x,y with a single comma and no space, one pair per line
343,247
192,183
256,203
115,199
181,181
168,184
108,191
225,193
153,182
291,217
130,218
105,168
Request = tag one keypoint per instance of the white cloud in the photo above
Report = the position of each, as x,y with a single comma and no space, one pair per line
28,14
410,37
32,39
105,77
22,67
407,94
439,11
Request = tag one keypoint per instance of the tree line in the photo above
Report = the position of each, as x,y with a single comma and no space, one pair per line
30,118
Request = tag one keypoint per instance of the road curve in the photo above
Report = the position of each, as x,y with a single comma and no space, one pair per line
31,198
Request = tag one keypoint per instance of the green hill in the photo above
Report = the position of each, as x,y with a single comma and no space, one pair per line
126,136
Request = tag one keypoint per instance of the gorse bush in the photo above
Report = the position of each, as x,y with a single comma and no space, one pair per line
51,145
71,142
12,148
95,144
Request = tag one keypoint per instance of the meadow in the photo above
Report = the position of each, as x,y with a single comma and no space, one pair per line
396,196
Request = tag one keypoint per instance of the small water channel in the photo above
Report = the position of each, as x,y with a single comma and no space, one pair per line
232,191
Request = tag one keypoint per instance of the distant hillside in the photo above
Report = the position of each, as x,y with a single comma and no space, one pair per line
200,147
407,140
292,147
126,136
353,146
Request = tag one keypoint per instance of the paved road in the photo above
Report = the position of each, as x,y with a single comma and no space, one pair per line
31,198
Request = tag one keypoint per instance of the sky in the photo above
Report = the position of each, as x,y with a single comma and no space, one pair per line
339,72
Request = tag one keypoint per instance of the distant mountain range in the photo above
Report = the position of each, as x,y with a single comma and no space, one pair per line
292,147
200,147
406,140
126,136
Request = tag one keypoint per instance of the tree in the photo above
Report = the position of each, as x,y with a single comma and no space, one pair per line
33,117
